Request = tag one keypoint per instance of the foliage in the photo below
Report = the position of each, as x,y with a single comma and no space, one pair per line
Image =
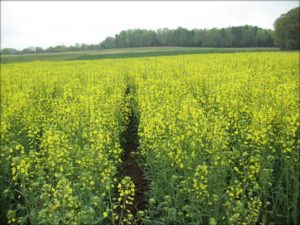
287,29
242,36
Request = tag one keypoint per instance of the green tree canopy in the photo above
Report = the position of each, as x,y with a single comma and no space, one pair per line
241,36
287,30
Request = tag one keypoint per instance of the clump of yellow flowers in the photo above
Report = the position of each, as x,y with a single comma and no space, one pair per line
218,139
60,146
227,126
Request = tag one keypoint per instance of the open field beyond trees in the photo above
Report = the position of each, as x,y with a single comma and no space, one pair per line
124,53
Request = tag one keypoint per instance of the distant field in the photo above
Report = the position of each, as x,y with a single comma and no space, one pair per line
123,53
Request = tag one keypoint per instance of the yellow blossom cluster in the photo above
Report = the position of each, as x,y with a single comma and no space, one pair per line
218,139
60,126
227,126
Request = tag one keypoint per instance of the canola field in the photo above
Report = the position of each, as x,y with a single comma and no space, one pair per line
218,139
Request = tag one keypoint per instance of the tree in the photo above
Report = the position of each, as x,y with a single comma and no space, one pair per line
264,38
213,38
164,36
287,29
227,37
122,40
182,37
39,50
9,51
109,42
237,33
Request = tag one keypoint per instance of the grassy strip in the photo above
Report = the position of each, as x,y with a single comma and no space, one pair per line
124,53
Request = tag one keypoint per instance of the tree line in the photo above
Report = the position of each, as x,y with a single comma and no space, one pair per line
241,36
58,48
285,36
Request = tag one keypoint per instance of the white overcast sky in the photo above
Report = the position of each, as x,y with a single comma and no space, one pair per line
50,23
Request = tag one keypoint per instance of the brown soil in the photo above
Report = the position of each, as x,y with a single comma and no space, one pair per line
131,168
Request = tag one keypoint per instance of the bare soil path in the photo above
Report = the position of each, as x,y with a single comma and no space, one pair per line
130,166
